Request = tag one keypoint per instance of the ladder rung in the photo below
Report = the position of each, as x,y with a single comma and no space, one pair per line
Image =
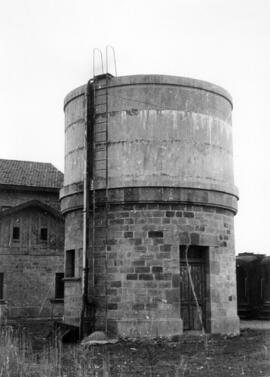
100,99
100,122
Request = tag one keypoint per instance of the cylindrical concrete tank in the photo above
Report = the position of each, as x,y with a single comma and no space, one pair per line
163,131
170,182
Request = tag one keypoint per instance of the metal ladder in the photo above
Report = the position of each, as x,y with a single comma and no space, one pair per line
100,175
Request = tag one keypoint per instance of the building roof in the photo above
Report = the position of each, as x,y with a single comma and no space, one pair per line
32,203
30,173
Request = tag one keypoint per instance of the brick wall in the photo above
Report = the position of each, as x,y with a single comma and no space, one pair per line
143,267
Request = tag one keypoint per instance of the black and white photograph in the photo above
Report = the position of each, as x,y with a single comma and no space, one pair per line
134,188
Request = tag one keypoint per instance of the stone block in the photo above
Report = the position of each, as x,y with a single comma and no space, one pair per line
176,280
184,238
224,325
116,284
158,241
163,276
214,267
157,269
173,295
150,284
195,238
112,306
155,234
142,270
138,307
140,249
150,328
163,255
140,262
166,221
132,276
165,247
164,284
145,277
157,213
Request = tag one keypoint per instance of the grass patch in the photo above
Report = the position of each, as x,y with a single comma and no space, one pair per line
188,356
17,358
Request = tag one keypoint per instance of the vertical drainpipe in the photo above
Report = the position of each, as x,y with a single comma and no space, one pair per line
86,188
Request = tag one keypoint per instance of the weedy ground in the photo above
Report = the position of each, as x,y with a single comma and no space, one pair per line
24,354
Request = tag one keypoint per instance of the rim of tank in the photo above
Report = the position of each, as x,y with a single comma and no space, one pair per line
156,80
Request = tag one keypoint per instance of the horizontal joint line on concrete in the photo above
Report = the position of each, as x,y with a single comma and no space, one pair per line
80,121
75,150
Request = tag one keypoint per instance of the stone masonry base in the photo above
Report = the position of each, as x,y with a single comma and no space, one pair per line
150,328
225,325
134,267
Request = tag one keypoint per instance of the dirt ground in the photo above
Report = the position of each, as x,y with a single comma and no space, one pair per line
189,355
244,355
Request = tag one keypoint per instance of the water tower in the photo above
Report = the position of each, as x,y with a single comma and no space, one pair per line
157,255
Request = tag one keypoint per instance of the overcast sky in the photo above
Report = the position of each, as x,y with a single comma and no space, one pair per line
46,51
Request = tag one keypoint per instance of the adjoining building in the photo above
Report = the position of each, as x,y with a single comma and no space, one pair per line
31,241
150,249
253,286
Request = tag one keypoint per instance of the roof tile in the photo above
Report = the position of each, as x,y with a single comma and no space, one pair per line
30,173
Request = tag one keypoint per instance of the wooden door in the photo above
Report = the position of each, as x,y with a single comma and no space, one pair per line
189,309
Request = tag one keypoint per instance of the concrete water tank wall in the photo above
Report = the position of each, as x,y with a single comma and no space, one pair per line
170,181
147,145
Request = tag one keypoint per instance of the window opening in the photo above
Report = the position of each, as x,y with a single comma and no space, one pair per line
70,263
59,285
16,233
43,234
1,285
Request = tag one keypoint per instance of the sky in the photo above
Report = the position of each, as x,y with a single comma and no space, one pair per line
46,51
